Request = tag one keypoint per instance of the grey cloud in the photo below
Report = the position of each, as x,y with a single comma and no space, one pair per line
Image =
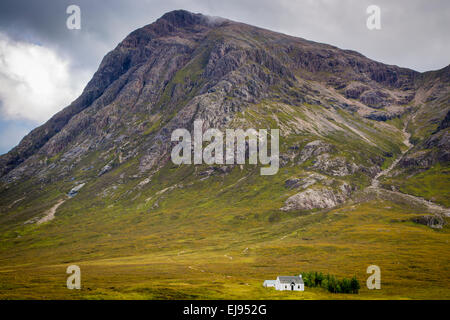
414,33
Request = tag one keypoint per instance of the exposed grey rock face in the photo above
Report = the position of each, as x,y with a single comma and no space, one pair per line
74,191
432,221
323,198
292,183
213,170
105,169
445,123
306,182
313,149
335,166
354,91
433,150
374,99
440,143
382,115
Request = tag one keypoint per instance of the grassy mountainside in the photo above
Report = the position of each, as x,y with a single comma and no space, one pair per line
141,227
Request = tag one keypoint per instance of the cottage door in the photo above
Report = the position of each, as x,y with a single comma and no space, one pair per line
292,286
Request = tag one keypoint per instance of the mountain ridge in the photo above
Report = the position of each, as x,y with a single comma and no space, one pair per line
114,65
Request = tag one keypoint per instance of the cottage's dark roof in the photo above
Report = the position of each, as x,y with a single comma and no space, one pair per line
290,279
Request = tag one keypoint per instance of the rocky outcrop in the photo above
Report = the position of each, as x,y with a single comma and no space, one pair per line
214,170
354,91
105,169
323,198
382,115
432,221
303,183
74,191
335,166
445,123
435,149
374,99
313,149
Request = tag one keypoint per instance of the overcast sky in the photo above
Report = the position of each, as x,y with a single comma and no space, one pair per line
44,65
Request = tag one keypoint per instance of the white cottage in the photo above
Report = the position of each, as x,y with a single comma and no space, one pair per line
269,283
291,283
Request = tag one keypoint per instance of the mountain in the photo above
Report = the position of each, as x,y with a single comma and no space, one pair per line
96,181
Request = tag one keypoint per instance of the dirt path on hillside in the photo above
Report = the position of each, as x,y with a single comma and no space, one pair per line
375,181
433,207
51,212
375,185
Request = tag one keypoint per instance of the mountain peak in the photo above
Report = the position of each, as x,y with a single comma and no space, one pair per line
184,18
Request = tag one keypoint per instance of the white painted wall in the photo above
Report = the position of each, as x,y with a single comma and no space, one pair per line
283,287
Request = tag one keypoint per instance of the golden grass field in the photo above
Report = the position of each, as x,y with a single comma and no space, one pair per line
414,260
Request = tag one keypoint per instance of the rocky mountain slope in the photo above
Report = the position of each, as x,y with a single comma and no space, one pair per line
188,66
343,119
